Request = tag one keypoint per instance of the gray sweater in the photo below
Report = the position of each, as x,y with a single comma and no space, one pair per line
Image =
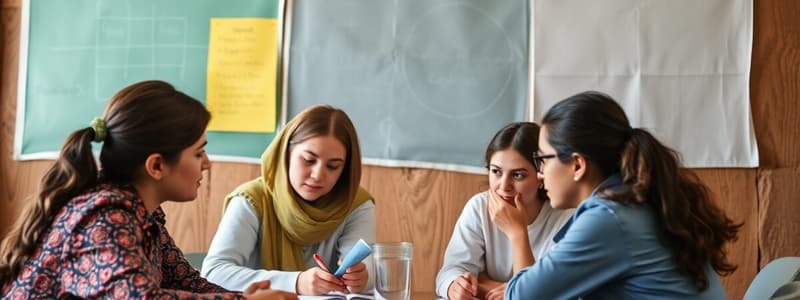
233,259
478,245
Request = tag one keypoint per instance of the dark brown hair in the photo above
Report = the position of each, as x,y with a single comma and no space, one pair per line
523,137
324,120
691,225
142,119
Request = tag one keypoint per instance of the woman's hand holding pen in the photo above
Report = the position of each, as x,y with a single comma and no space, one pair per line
320,280
355,277
316,281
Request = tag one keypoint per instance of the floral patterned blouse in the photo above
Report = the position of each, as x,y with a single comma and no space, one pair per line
104,244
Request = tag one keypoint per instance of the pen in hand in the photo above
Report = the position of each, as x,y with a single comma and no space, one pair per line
321,263
324,267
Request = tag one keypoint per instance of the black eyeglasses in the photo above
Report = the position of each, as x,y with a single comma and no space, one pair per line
538,161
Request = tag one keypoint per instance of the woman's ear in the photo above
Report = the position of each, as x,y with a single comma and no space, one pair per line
154,166
579,166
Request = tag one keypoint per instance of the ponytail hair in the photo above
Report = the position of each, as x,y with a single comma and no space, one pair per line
74,171
144,118
691,225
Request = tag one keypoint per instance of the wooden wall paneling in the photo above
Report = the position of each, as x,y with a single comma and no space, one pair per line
20,180
735,192
778,222
420,206
224,178
186,221
194,224
5,220
775,82
9,22
12,4
21,183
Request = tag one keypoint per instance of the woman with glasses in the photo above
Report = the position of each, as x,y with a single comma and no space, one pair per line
514,211
644,228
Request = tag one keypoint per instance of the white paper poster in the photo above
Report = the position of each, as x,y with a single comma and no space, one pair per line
680,69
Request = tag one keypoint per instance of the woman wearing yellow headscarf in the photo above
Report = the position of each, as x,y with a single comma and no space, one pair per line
307,200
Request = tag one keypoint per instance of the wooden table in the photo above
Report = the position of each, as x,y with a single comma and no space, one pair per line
423,296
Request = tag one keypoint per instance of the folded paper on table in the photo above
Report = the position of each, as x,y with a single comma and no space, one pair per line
358,253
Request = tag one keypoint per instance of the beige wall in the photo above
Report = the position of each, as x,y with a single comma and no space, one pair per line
421,205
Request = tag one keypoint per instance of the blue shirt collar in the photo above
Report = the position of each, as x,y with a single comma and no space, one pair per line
613,180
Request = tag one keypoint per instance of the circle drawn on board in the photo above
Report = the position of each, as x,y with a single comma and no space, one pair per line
442,62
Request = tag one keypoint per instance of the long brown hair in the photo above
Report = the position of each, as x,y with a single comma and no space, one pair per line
691,225
144,118
324,120
523,137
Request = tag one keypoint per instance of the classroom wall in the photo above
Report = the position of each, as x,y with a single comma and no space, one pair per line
421,206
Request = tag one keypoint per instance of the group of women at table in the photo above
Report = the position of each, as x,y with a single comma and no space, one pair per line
581,205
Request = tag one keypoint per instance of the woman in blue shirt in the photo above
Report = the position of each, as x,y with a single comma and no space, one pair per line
644,228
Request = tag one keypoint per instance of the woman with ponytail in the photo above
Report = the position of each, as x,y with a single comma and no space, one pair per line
644,227
99,232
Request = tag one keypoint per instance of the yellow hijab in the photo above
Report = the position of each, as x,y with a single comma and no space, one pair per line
288,222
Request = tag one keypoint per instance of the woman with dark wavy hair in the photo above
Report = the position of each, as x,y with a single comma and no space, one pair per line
644,227
478,261
99,232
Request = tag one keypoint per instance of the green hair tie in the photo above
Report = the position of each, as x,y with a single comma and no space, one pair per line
99,127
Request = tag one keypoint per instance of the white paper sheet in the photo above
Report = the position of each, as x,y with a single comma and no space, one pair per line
680,68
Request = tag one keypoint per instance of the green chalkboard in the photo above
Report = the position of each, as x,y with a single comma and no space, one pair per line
76,54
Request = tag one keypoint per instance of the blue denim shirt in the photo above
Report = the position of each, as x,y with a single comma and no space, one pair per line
609,250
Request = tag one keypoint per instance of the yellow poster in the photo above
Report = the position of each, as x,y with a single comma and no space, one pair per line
241,75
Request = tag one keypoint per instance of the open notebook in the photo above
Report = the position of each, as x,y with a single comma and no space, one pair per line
338,296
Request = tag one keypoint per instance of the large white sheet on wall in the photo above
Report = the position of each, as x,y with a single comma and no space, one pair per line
427,83
680,68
